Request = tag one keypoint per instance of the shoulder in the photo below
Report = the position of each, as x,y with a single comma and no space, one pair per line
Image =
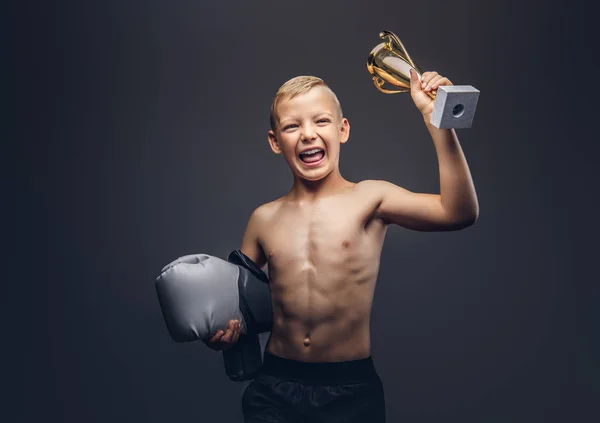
262,216
374,183
264,212
255,229
376,188
369,184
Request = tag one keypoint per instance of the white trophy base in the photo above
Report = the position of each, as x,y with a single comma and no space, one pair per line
454,106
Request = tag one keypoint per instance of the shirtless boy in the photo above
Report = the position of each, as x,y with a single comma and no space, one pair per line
322,244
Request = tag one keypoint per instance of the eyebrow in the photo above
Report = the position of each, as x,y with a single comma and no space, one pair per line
285,120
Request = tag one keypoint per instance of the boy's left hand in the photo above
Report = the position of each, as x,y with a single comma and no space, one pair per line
430,81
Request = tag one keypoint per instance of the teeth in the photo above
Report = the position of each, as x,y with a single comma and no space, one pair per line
313,151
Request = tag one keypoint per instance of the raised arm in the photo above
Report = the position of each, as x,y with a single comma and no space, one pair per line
456,206
417,211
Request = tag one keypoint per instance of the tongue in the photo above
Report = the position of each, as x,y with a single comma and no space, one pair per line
312,158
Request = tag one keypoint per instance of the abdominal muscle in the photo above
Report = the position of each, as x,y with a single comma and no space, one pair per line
315,324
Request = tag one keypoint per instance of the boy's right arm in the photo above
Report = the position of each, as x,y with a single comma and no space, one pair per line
224,340
251,246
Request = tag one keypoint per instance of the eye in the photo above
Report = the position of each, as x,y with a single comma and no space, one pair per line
323,120
290,126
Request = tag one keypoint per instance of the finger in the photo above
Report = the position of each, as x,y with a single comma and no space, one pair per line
413,75
216,337
236,335
214,343
237,329
228,335
432,82
426,77
414,81
440,82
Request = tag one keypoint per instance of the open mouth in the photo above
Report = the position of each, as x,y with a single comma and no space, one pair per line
312,156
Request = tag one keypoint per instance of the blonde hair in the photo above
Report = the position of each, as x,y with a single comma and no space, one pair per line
296,86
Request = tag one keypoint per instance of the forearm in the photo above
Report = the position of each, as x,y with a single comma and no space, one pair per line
457,190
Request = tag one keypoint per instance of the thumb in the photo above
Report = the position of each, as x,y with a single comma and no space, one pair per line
415,85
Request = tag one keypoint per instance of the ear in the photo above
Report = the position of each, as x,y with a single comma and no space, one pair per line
344,131
275,147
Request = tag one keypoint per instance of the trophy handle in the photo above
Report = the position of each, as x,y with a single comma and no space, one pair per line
390,38
379,85
393,44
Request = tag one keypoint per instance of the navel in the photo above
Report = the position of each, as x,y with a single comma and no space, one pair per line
307,341
346,244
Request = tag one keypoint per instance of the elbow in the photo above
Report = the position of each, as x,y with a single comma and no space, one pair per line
469,220
462,216
470,216
472,220
464,221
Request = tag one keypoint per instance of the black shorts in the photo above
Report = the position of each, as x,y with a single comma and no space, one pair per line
296,392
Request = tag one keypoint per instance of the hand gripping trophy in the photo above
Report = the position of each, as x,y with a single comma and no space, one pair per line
389,62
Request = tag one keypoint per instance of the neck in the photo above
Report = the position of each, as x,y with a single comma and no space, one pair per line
313,190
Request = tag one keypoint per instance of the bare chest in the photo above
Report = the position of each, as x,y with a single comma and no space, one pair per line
321,236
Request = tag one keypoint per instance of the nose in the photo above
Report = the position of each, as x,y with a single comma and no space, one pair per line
308,132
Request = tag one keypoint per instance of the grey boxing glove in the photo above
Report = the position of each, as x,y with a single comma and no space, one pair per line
199,294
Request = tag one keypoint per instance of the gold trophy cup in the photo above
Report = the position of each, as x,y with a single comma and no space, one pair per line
389,62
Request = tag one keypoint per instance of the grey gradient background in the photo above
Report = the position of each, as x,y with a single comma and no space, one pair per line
137,133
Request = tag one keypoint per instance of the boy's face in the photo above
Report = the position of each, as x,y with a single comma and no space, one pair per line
309,123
